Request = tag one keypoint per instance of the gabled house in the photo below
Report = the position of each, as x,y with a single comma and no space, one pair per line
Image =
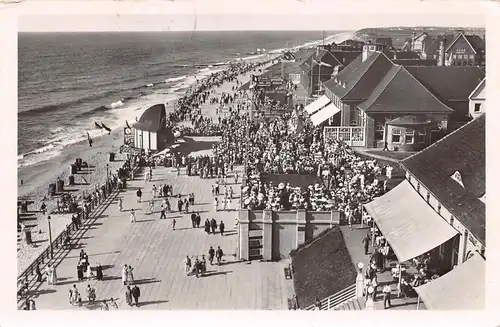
386,41
451,175
374,101
431,45
452,85
466,50
418,42
321,66
477,100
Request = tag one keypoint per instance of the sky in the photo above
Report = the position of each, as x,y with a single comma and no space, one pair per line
42,16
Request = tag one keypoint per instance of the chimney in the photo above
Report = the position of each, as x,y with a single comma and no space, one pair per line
413,35
441,58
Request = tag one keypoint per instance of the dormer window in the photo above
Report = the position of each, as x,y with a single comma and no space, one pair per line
428,197
439,208
477,107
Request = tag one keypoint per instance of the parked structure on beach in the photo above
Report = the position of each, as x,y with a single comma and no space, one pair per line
151,132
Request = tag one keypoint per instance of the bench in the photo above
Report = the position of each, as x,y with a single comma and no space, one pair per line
288,273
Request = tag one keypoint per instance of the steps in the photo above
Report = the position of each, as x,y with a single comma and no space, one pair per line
358,303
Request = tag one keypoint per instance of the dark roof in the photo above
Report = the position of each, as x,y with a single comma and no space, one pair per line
475,41
153,119
403,54
322,268
410,121
462,151
274,71
433,47
345,57
400,92
323,56
448,83
360,78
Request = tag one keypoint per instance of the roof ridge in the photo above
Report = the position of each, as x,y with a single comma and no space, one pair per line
386,84
483,81
441,140
426,89
378,54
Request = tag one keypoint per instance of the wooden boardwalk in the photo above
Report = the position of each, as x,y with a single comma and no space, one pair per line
157,252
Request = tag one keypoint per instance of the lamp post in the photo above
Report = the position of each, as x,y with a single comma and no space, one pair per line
50,239
107,172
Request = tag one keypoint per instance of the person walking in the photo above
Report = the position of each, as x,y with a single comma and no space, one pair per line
198,220
207,226
163,215
387,296
216,204
124,275
193,219
366,243
38,274
211,255
139,195
187,264
120,204
179,204
219,255
98,271
173,224
128,296
221,228
213,225
136,293
151,206
130,274
132,216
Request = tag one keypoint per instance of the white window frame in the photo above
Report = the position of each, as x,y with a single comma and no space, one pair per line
471,57
398,134
379,128
412,134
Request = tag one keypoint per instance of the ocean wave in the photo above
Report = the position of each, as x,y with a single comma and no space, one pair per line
116,104
175,79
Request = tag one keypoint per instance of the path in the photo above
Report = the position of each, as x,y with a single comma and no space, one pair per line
157,252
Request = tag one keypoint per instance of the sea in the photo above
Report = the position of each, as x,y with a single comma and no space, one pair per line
69,81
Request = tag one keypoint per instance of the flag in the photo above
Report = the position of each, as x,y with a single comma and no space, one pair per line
98,126
106,128
89,138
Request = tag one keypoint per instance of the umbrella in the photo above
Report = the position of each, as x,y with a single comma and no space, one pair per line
177,134
245,189
247,201
260,196
281,186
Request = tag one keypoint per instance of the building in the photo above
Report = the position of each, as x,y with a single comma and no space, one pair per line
150,132
348,45
466,50
417,42
477,100
320,66
431,45
373,101
386,41
440,209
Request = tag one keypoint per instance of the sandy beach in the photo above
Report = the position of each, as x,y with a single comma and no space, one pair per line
36,178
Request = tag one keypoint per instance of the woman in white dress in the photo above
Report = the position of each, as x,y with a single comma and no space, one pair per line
54,275
130,274
48,272
124,275
89,272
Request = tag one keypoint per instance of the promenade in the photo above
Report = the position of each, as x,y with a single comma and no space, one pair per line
156,252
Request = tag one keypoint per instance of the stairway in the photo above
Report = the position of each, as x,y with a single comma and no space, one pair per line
358,303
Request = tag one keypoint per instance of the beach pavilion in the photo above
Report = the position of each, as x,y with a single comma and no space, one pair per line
151,132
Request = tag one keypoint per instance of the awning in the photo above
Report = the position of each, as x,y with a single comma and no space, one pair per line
408,223
324,114
314,106
463,288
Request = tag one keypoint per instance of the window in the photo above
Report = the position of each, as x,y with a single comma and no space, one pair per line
477,107
454,56
471,57
421,137
428,197
439,208
459,56
396,135
418,187
409,137
379,132
452,220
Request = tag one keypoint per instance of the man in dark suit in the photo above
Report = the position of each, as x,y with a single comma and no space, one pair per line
136,293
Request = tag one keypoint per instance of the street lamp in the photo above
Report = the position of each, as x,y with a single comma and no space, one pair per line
50,239
107,172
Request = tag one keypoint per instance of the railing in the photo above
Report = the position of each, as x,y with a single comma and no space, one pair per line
351,135
336,299
58,242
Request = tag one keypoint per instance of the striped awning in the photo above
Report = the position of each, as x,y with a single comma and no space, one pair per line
323,114
316,105
463,288
409,223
